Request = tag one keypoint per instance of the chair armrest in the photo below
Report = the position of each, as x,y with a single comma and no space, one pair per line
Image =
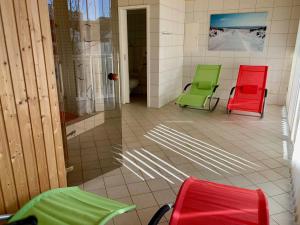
186,86
159,214
266,92
231,91
30,220
215,87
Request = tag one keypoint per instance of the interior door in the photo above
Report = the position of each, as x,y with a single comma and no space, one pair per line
85,43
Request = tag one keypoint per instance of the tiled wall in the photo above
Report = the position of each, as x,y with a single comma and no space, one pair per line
283,17
171,38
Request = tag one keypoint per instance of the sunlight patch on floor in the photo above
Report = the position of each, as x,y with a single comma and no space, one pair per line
204,154
150,165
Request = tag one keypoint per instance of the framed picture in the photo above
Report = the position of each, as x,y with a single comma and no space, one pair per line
237,32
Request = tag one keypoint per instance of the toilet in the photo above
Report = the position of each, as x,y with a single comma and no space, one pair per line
133,83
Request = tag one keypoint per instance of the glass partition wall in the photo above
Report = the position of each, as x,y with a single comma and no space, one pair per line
85,42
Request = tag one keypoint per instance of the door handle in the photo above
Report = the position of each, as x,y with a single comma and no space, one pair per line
113,76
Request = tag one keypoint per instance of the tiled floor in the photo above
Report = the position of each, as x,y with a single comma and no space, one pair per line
239,150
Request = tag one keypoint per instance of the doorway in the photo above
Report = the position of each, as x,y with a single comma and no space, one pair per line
134,51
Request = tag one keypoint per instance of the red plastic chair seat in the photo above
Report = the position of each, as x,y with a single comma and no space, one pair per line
250,89
206,203
248,105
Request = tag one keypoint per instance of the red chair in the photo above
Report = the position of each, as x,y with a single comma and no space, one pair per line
250,90
206,203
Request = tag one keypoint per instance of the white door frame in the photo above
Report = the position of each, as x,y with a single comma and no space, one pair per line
123,41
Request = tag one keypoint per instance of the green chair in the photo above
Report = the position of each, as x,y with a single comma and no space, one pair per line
69,206
202,89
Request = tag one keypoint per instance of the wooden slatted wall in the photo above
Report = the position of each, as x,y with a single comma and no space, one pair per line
31,147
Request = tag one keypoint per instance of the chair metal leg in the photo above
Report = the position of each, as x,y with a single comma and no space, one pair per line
228,111
215,105
5,217
30,220
160,213
263,110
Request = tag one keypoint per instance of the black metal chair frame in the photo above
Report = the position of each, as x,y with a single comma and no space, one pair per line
30,220
160,213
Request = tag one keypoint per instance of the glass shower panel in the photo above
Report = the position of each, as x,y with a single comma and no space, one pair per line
85,41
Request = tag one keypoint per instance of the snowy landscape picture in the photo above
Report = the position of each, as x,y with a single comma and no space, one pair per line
237,32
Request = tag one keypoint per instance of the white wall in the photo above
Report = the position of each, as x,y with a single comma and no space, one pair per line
293,108
296,173
283,17
171,38
293,99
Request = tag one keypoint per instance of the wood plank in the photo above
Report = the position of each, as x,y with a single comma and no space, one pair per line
19,88
52,86
11,120
31,89
2,207
7,179
41,76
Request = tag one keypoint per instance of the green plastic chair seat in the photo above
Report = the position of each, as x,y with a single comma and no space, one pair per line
71,206
191,100
202,87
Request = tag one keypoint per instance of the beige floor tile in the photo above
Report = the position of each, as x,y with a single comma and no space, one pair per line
132,178
275,207
283,171
144,201
164,196
285,200
138,188
101,192
240,181
273,222
271,175
93,184
117,192
284,218
130,218
256,178
284,184
126,200
271,163
113,181
145,215
270,189
158,184
164,223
